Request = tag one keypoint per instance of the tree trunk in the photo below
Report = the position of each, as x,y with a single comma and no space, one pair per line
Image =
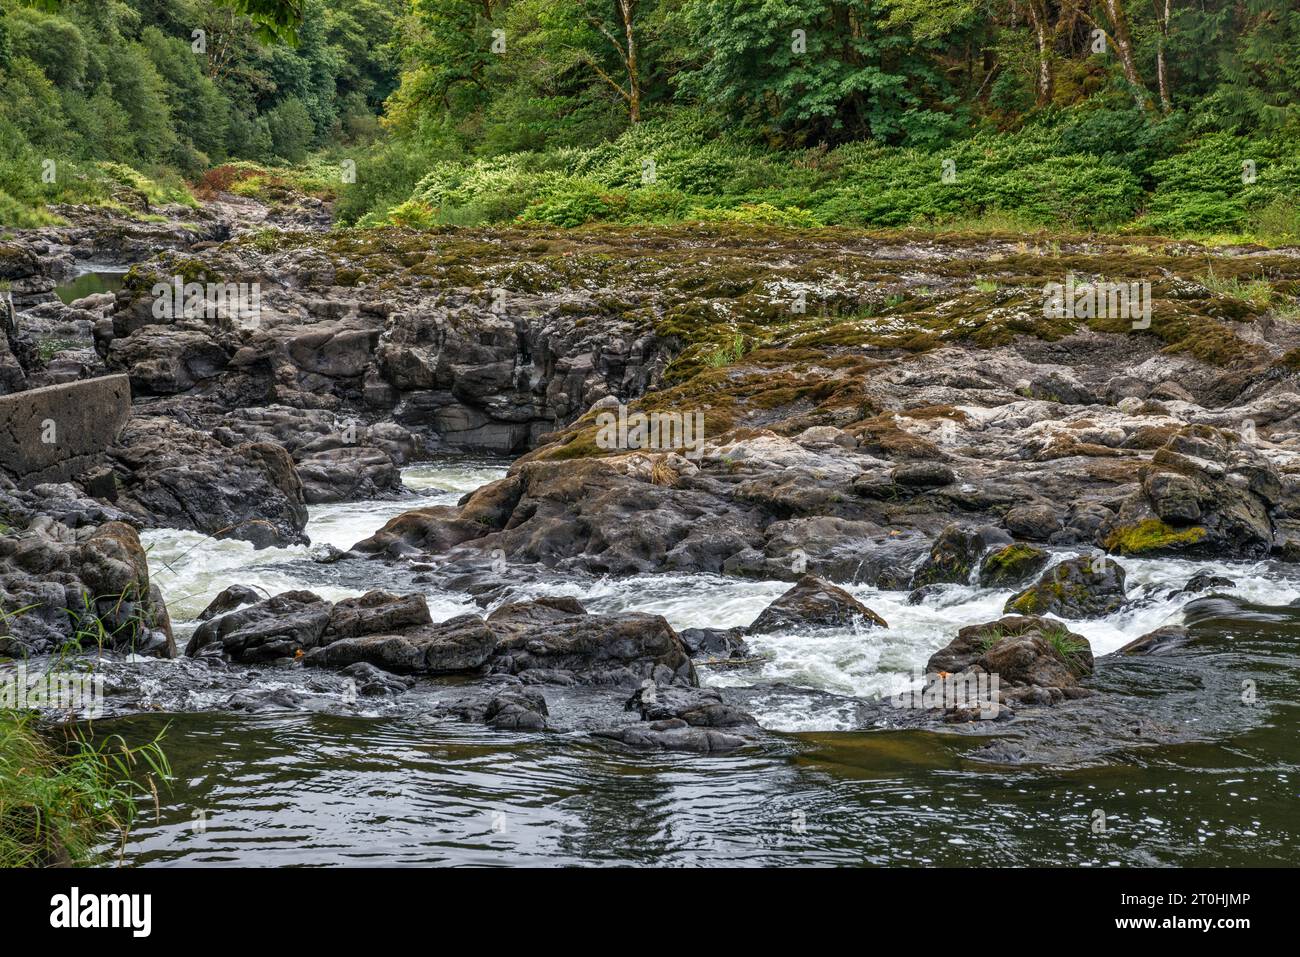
1038,19
1124,49
1162,74
628,9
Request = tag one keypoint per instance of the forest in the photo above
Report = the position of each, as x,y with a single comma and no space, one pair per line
1160,116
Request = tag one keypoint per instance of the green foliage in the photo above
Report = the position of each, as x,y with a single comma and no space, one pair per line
290,126
180,87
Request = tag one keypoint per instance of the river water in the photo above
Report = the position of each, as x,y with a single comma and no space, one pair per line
317,788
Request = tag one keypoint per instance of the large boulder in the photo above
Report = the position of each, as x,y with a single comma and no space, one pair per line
813,603
79,589
280,627
173,476
1088,587
1035,660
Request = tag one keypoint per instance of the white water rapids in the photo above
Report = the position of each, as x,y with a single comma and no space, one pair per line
192,569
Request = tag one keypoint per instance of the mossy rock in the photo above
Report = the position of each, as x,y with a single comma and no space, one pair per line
951,559
1152,537
1012,565
1076,588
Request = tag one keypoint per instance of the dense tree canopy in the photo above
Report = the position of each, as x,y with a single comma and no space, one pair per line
474,110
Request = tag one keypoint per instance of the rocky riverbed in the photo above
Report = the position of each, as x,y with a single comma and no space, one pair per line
399,482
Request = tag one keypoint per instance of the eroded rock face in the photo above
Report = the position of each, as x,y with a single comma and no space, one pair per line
837,449
813,603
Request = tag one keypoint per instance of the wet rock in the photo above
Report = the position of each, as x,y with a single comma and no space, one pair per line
698,707
673,734
1076,588
1205,493
230,599
1011,565
372,682
338,475
620,649
522,709
953,557
537,611
813,603
463,643
1036,660
284,626
338,457
715,642
376,612
265,699
1205,581
1165,640
82,588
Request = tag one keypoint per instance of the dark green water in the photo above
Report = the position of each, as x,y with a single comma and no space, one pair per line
89,283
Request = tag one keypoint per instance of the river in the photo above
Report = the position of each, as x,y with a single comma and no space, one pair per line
398,787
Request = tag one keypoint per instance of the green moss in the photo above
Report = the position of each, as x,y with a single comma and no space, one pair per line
1151,535
1011,564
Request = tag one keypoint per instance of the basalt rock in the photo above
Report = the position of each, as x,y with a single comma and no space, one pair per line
813,603
545,642
460,644
294,623
228,600
173,476
698,707
1036,660
1076,588
84,587
280,627
716,643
